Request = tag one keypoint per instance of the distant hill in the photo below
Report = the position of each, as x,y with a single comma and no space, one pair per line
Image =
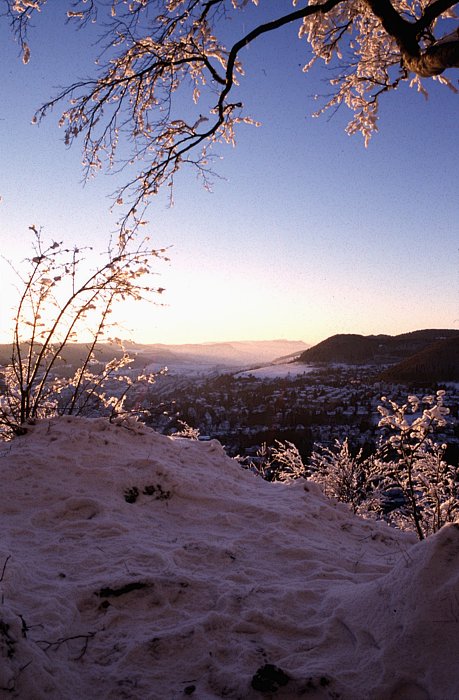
73,356
237,354
287,358
349,348
437,363
375,349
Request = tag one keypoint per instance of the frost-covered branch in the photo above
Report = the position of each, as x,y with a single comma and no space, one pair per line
60,300
167,83
406,481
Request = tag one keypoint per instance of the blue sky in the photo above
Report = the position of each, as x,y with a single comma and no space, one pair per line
308,235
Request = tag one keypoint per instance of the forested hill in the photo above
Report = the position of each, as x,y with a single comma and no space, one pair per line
438,362
379,349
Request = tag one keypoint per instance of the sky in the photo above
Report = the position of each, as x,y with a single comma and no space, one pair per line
306,234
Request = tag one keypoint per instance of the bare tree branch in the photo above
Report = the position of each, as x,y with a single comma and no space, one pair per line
426,63
155,48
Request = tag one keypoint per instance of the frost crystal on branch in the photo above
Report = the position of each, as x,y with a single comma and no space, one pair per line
412,462
59,300
167,82
407,481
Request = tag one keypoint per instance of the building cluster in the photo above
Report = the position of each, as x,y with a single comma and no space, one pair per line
243,412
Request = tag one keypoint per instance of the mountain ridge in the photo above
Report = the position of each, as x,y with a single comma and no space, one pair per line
234,353
430,354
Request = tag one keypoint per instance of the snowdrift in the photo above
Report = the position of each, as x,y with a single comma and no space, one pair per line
137,566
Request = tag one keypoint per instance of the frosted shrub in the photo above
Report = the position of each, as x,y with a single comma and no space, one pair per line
345,477
339,474
186,431
59,299
285,462
406,481
411,461
280,462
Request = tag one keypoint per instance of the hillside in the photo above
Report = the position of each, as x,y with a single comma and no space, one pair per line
137,566
74,353
437,363
374,349
236,353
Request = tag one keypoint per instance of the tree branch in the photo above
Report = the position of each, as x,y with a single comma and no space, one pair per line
147,58
432,12
426,63
263,29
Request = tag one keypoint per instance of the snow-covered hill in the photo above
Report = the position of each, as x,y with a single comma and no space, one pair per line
275,371
133,565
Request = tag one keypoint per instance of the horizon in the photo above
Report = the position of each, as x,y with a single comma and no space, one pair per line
253,341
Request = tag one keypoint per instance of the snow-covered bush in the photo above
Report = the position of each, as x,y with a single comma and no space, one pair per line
410,460
280,462
346,477
186,431
285,462
61,299
406,481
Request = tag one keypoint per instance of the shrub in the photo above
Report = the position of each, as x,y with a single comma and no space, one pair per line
413,462
407,464
61,298
346,477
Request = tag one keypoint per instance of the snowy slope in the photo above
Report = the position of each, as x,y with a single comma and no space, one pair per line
211,583
274,371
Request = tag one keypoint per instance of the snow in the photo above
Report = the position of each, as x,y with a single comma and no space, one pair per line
216,358
278,370
210,583
188,368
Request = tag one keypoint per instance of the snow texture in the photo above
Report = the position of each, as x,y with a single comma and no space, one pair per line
139,566
277,370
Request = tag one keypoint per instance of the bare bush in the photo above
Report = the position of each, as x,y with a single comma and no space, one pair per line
406,481
60,299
